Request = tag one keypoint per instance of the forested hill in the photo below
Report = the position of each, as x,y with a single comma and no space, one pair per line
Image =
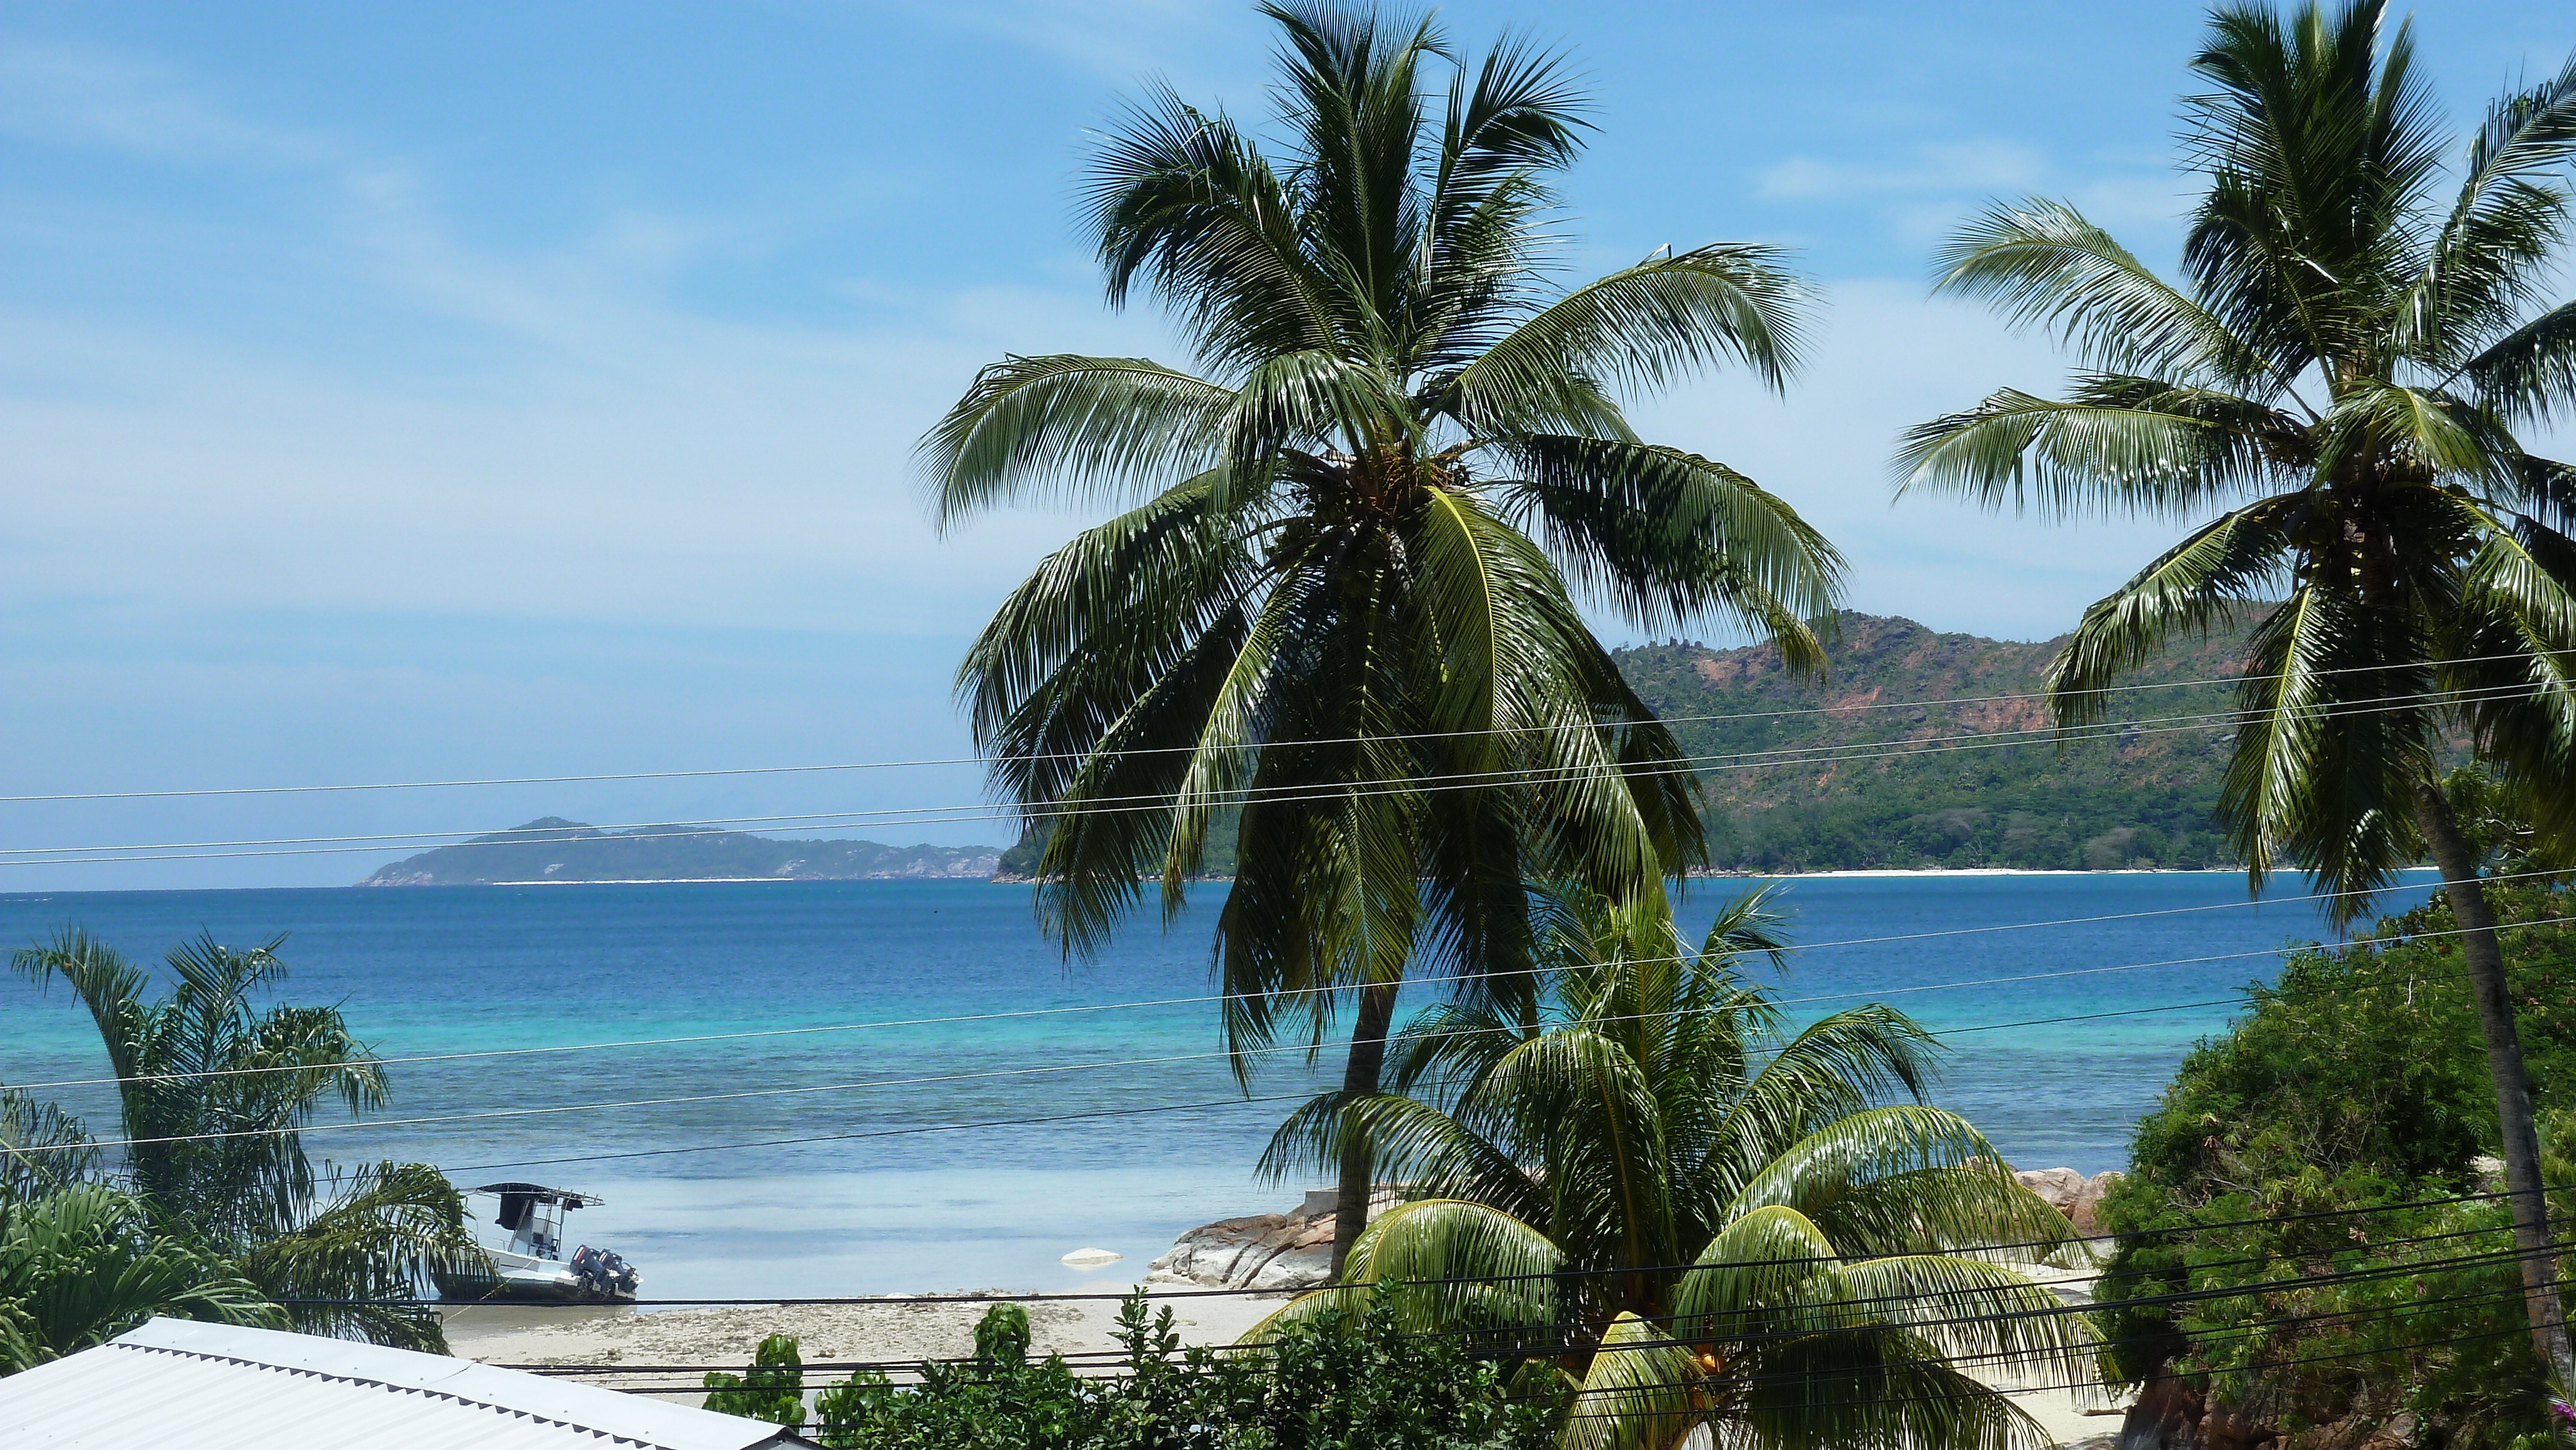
1928,784
554,849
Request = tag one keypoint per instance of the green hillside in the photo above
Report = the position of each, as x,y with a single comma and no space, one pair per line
1941,791
1925,784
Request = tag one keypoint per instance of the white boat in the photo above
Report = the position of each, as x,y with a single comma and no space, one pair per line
533,1266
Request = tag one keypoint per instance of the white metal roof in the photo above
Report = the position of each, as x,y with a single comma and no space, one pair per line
219,1386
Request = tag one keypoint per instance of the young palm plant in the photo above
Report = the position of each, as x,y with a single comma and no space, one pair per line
2339,375
211,1093
1343,604
83,1264
1710,1220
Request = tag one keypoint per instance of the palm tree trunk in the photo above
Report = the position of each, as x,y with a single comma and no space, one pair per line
1359,1079
2521,1146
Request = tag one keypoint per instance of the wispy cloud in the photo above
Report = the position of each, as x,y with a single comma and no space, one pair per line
93,96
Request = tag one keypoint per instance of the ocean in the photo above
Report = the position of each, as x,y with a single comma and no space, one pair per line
902,1157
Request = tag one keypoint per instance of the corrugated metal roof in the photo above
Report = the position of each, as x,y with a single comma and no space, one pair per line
175,1382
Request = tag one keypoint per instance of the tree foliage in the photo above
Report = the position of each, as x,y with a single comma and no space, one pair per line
1695,1213
2354,1081
212,1090
1338,1382
1342,596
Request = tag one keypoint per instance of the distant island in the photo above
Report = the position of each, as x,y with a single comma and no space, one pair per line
552,849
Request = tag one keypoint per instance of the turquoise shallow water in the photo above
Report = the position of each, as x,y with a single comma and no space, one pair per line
480,968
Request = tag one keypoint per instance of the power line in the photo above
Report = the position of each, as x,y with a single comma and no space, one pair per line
1324,791
1052,1069
807,1301
2238,679
1148,1003
2326,1279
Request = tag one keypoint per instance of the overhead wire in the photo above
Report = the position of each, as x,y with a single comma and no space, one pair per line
1159,1295
1193,1000
1845,709
1791,757
1158,1061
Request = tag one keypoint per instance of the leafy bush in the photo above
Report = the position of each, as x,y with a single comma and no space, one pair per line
773,1389
1339,1382
2357,1081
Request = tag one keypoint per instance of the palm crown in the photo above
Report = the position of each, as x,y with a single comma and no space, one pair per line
1344,602
2341,372
2345,367
211,1095
1722,1219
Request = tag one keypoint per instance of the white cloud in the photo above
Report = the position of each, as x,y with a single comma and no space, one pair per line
1888,358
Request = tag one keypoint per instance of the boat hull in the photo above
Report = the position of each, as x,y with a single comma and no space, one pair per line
533,1282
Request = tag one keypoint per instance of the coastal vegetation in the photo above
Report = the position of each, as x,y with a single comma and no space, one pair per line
2340,373
2334,1129
1337,1381
1343,595
209,1207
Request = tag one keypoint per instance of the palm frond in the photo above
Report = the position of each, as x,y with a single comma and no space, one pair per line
2327,756
2207,581
1070,426
2042,264
1670,538
1446,1264
2121,445
1644,326
1643,1391
42,1147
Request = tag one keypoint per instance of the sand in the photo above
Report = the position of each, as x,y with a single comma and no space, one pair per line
638,1350
631,1349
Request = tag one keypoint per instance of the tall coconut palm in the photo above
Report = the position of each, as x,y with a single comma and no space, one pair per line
1345,600
2339,374
211,1093
1716,1220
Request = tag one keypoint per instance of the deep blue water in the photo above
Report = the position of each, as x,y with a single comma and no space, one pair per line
481,968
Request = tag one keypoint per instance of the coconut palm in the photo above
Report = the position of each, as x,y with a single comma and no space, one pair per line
211,1094
1712,1219
2338,376
1344,602
81,1265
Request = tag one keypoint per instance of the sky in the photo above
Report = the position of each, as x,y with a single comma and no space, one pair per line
470,391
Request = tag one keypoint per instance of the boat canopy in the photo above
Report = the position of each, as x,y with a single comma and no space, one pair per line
518,1198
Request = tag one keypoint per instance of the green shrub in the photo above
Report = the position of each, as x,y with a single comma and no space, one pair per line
2358,1080
1339,1382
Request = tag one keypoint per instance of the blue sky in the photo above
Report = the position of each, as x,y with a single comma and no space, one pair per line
415,392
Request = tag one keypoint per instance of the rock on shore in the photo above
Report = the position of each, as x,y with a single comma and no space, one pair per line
2072,1194
1287,1252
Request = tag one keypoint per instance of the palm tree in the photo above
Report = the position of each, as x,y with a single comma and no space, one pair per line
211,1095
2340,372
1345,601
81,1265
1717,1221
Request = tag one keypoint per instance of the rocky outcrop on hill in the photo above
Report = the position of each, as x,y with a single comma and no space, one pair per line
2072,1194
1283,1251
